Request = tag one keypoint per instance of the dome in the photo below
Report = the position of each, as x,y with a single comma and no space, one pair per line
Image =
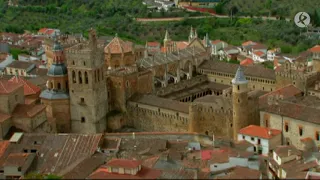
56,47
57,70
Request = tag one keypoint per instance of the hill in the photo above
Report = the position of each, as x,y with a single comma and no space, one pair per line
281,8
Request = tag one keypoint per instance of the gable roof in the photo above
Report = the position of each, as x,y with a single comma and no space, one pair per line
258,53
246,62
29,88
315,49
8,87
258,131
118,46
43,30
21,65
125,163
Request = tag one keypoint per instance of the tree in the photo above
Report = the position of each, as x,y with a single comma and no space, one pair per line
268,6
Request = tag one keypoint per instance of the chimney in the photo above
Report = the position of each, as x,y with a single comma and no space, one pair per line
289,152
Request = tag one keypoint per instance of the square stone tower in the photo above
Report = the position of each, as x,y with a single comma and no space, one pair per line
88,89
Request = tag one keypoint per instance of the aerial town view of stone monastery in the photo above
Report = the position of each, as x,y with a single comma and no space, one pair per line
180,101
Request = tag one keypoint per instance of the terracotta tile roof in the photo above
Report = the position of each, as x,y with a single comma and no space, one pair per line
246,62
258,131
4,117
315,49
218,157
182,44
125,163
153,44
207,154
253,71
29,100
16,159
3,147
285,92
144,173
23,110
50,31
8,87
242,173
283,151
20,65
258,53
216,41
177,174
43,30
295,111
118,46
248,43
29,88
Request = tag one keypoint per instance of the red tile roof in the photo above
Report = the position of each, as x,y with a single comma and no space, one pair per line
43,30
259,53
29,88
50,31
4,117
118,46
3,147
125,163
248,43
258,131
144,173
246,62
207,154
182,44
285,92
8,87
153,44
315,49
216,41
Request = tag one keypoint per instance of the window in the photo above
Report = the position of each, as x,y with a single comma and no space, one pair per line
25,150
259,141
231,125
300,131
243,137
80,77
286,126
238,87
67,86
19,169
82,100
84,63
252,138
59,86
266,121
98,74
33,150
127,84
74,77
83,120
86,77
317,136
72,62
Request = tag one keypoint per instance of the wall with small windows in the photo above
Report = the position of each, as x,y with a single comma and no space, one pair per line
254,83
293,130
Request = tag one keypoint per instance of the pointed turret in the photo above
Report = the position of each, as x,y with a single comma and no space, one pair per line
191,34
206,40
239,77
166,36
195,33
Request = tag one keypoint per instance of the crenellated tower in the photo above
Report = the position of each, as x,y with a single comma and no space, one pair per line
240,102
56,96
88,88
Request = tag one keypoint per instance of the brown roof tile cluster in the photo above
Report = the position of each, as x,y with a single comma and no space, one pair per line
258,131
20,65
4,117
284,151
24,110
252,71
29,88
242,173
17,159
118,46
7,87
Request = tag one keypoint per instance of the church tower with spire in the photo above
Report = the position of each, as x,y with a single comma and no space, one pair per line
192,34
56,96
167,43
240,102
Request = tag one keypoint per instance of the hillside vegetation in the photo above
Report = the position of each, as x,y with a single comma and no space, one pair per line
281,8
116,16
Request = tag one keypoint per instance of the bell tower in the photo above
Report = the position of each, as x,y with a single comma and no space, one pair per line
240,102
56,96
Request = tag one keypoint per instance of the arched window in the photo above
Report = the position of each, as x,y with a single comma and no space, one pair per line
80,77
86,77
74,77
84,63
59,86
72,62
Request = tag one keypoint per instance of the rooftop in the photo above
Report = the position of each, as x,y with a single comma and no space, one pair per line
29,88
21,65
258,131
124,163
7,87
118,46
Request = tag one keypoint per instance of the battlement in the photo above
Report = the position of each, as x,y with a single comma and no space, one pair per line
209,108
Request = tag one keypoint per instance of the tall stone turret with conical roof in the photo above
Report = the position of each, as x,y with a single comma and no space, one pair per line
191,34
240,102
167,43
56,96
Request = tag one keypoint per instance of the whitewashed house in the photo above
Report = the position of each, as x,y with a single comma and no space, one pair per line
264,139
259,56
272,53
5,60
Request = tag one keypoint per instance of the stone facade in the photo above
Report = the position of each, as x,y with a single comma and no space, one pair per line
88,89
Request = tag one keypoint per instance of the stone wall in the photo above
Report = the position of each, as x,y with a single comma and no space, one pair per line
151,118
60,111
145,82
10,101
207,120
292,136
116,122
